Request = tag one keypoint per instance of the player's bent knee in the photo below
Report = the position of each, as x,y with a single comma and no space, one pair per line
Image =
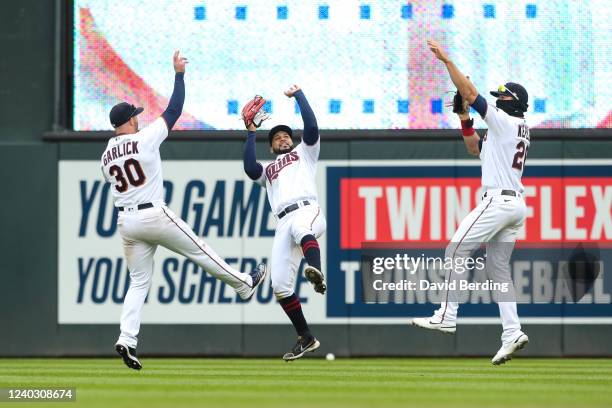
298,232
458,250
282,294
281,289
300,236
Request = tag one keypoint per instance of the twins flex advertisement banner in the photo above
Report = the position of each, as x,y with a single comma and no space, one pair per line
412,206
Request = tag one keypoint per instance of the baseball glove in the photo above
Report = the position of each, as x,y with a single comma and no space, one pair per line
458,106
253,112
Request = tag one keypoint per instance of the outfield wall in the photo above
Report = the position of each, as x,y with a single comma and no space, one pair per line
64,276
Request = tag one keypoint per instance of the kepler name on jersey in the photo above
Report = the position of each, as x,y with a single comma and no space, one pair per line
523,132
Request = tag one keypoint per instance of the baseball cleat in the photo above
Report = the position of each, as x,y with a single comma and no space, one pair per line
427,323
505,352
304,344
129,356
315,277
258,275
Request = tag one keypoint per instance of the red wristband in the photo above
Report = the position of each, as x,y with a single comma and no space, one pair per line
466,127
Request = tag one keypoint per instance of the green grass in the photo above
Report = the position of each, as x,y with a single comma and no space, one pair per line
310,382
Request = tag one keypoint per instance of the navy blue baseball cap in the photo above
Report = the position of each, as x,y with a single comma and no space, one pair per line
279,128
122,112
516,91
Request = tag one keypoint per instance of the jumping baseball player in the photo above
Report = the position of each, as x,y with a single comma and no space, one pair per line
132,164
501,213
290,184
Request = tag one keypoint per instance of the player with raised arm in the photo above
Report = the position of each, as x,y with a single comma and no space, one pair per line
290,184
501,213
132,164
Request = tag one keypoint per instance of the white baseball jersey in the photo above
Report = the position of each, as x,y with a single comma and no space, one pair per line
131,163
291,177
504,150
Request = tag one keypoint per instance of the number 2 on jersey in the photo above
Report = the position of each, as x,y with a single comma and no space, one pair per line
130,166
520,156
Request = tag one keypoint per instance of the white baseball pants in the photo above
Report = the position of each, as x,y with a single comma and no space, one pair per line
142,231
496,221
286,248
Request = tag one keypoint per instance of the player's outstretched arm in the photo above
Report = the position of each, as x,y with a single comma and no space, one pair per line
464,85
252,167
311,129
471,138
175,106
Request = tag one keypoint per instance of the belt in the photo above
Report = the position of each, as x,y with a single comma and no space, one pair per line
140,206
511,193
292,207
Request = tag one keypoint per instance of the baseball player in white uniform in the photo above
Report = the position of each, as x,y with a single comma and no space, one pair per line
501,213
290,184
132,164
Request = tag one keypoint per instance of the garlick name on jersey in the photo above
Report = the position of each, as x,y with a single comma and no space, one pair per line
124,149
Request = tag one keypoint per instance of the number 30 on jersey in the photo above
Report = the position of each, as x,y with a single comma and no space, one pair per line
130,167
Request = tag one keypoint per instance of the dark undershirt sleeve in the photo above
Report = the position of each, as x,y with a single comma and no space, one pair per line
252,167
480,105
311,130
175,105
